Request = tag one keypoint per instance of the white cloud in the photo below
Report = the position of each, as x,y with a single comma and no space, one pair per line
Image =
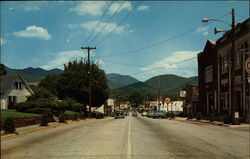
89,7
64,57
33,32
108,28
125,6
176,64
143,8
203,30
2,41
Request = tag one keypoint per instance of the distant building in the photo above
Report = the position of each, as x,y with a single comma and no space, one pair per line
191,99
173,106
13,89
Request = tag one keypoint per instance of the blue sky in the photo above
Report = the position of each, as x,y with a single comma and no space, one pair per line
168,34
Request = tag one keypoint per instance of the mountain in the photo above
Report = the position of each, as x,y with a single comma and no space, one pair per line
116,80
33,74
169,85
37,74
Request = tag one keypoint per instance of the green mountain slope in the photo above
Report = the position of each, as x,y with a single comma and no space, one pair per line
170,85
116,80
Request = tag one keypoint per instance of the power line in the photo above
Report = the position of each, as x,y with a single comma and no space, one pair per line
107,22
99,21
121,63
159,43
124,18
240,16
155,68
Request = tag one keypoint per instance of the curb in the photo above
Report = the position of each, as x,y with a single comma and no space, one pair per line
40,128
211,123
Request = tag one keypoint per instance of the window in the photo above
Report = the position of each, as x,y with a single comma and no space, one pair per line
238,60
246,46
20,85
208,74
16,85
12,99
224,64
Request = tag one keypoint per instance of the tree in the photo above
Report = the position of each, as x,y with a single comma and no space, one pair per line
41,93
50,83
73,83
2,70
136,99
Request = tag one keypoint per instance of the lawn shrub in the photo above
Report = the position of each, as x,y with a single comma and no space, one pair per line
62,118
9,126
44,120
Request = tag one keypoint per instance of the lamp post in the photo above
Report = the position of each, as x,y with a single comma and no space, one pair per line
231,64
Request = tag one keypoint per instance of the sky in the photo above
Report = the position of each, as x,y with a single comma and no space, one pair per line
138,38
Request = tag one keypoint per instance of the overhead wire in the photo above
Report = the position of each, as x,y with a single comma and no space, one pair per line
124,18
99,22
157,43
106,23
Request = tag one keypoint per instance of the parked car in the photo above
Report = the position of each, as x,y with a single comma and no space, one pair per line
134,113
119,114
150,114
159,114
144,113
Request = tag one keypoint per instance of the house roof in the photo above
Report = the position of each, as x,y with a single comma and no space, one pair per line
7,81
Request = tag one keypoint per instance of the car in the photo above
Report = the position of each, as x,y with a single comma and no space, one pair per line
134,113
119,114
159,114
150,114
144,113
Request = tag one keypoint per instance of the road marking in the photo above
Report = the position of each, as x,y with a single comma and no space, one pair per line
129,140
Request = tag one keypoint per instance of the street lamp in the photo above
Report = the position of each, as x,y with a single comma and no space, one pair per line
231,59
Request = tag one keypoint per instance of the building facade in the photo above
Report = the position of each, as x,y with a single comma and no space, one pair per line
223,84
13,89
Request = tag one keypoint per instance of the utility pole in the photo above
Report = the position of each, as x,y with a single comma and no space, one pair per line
231,69
159,92
89,74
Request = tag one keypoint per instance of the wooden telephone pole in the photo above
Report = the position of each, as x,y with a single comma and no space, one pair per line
89,74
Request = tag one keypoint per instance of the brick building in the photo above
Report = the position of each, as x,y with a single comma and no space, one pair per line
214,74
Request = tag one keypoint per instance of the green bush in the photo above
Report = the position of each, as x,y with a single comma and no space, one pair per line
9,126
198,116
62,118
45,120
75,116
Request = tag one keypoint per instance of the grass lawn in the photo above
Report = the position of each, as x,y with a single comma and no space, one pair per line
70,112
13,113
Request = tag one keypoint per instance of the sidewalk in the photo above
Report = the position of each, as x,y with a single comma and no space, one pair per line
219,123
37,127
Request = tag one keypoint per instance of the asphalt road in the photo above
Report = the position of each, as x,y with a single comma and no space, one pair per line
130,138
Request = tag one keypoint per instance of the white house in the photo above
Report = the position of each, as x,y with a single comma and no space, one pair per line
175,106
13,89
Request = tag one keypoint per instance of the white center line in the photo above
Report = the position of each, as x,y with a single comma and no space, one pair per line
129,139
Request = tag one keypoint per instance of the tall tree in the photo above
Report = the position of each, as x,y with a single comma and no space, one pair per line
136,99
50,83
73,83
2,70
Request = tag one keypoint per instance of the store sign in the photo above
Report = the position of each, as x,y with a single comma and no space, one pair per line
183,93
247,65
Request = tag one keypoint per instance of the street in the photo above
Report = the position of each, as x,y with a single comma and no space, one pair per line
130,138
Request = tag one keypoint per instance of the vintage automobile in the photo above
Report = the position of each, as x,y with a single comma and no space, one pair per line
134,113
159,114
119,114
